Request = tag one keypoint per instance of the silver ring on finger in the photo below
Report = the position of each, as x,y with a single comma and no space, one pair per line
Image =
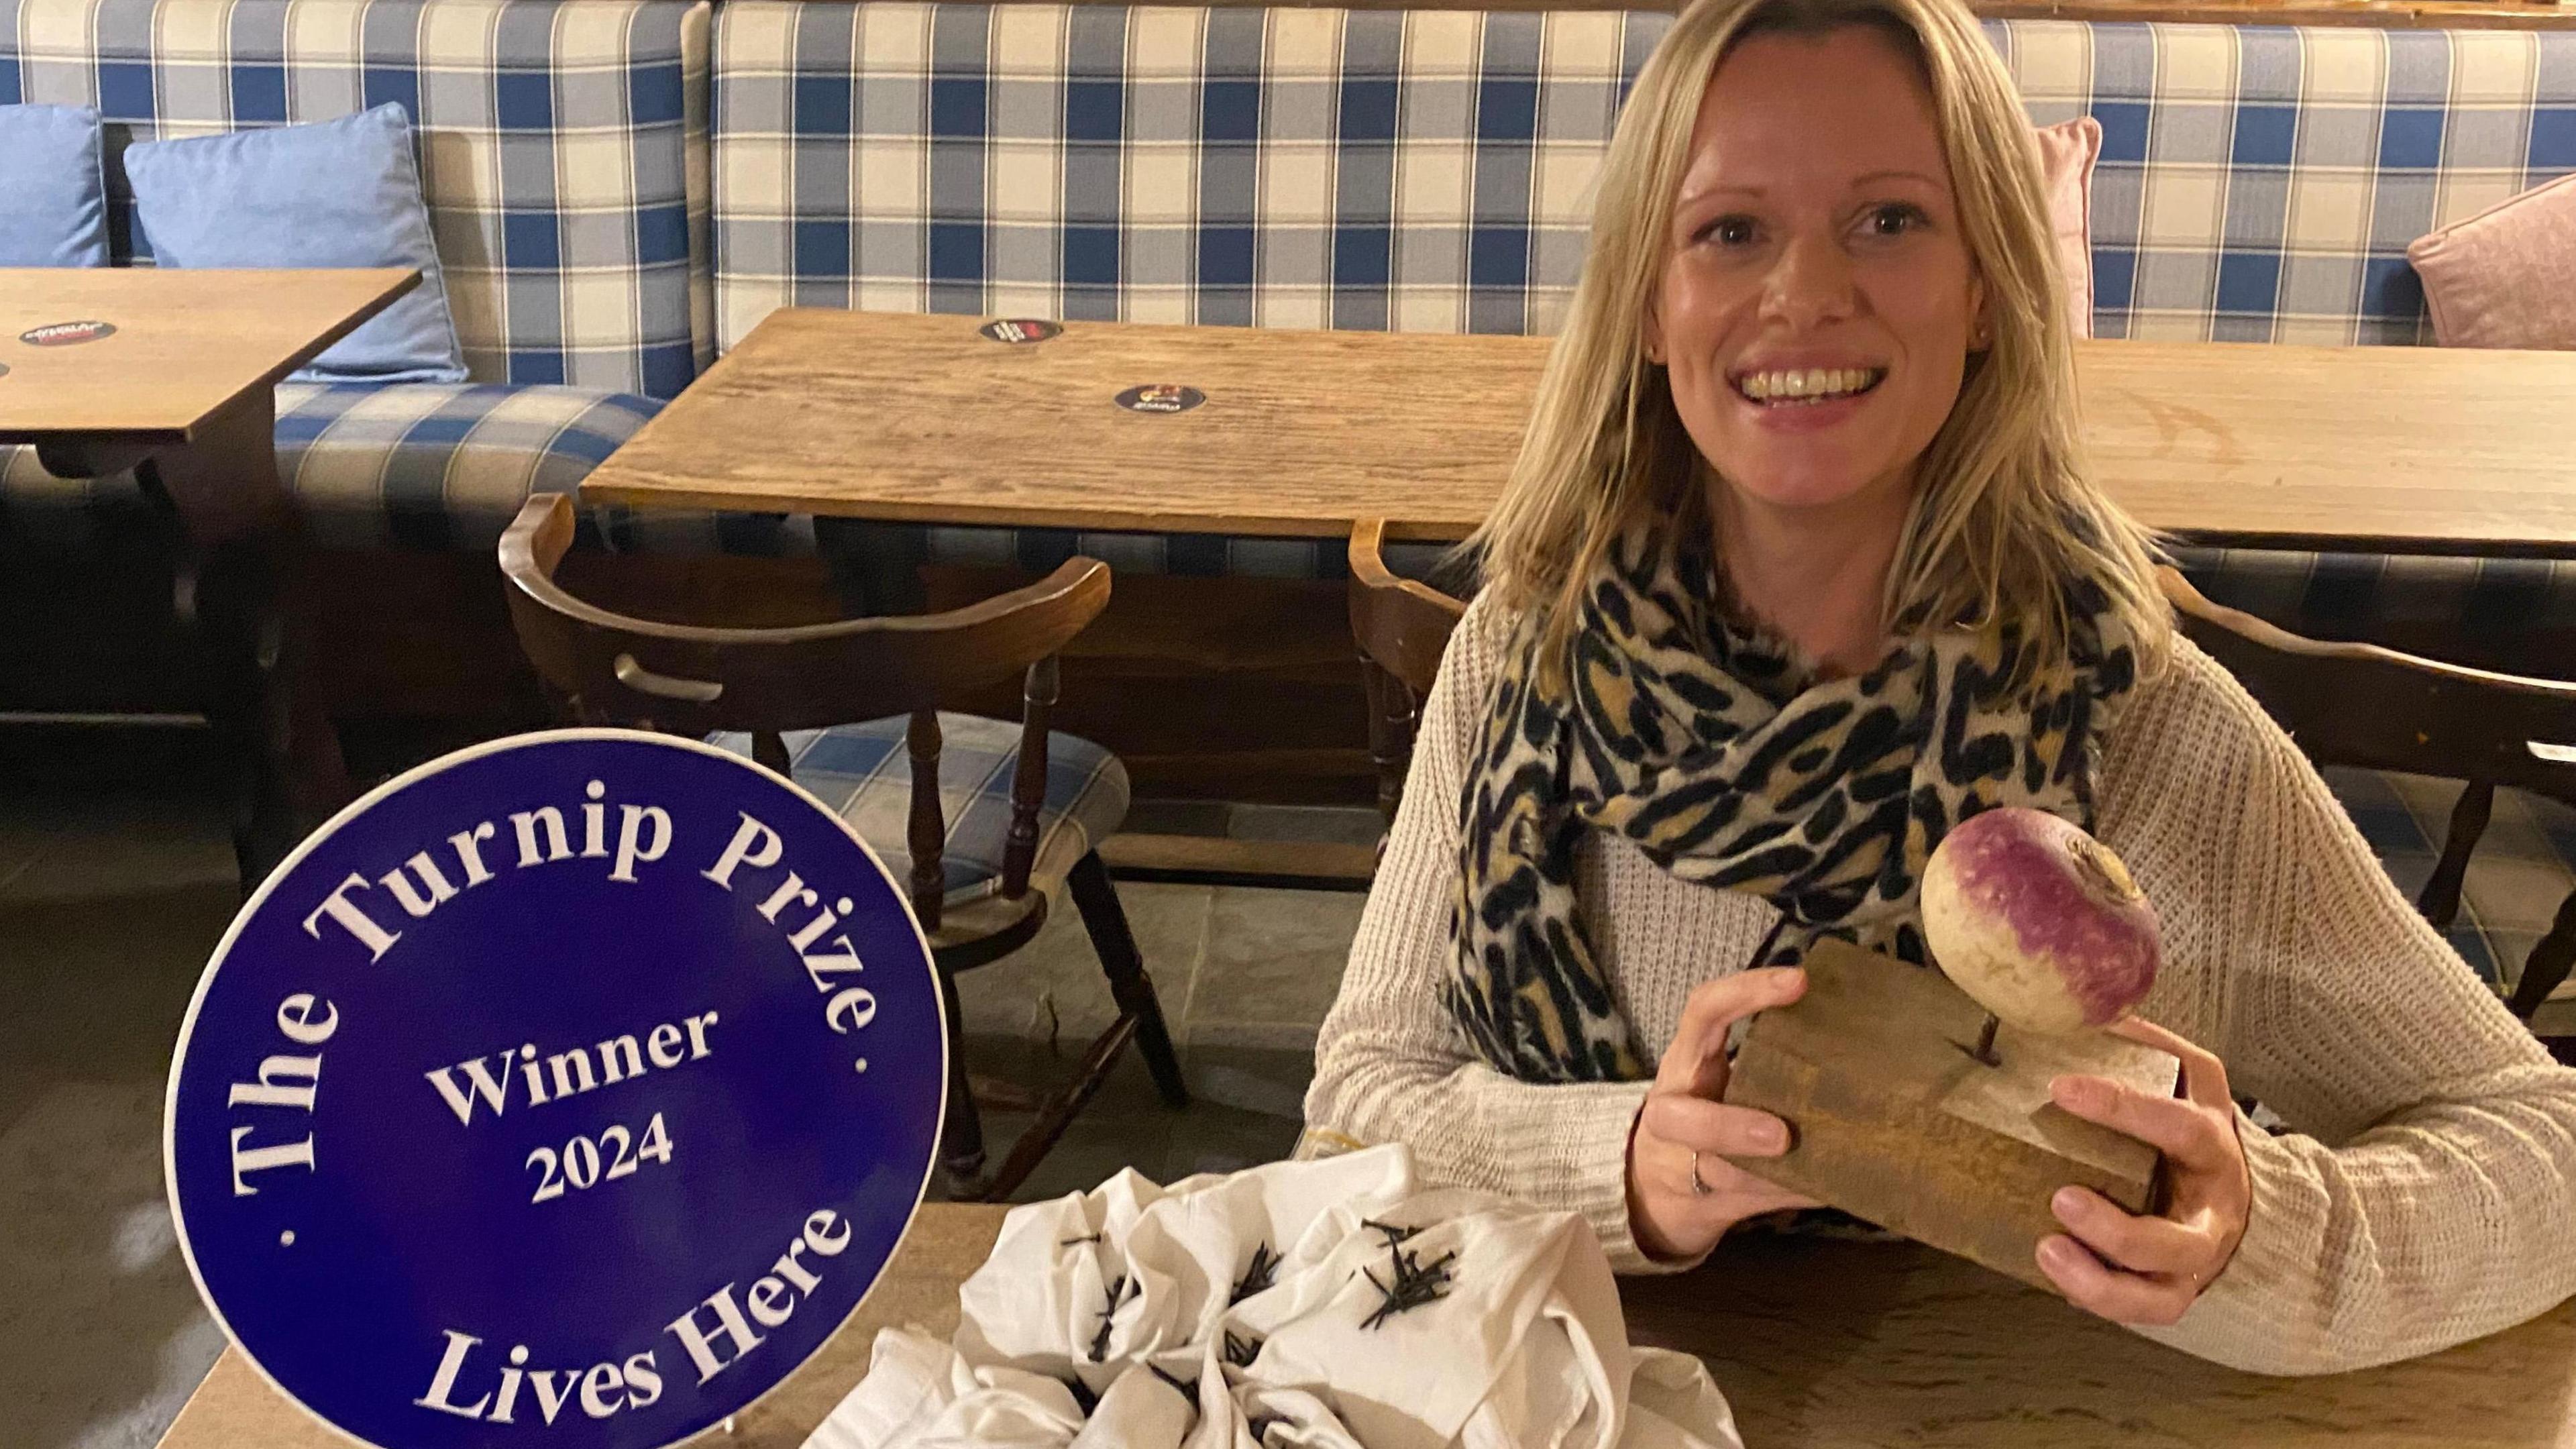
1699,1185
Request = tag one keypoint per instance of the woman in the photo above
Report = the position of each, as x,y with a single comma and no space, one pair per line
1799,566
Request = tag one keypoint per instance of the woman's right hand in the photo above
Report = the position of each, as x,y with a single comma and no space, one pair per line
1671,1216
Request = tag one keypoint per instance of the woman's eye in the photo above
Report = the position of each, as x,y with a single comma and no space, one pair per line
1730,231
1896,219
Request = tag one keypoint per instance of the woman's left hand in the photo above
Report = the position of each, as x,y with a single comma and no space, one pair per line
2148,1270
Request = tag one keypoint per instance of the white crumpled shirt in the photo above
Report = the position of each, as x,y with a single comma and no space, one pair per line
1123,1317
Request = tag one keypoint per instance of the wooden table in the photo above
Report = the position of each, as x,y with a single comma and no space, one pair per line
179,386
1816,1343
921,418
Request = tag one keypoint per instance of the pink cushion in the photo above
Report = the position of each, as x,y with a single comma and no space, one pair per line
2505,277
2067,152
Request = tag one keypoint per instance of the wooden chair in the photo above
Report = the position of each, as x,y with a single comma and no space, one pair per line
2376,709
980,883
1402,628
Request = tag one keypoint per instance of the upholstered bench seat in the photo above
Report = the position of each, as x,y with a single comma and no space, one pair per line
428,466
864,773
439,465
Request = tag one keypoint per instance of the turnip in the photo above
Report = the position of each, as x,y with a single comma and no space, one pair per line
2038,922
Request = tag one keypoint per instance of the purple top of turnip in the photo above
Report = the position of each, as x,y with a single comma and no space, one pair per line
2038,921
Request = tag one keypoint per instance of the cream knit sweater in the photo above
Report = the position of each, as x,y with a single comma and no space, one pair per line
2429,1195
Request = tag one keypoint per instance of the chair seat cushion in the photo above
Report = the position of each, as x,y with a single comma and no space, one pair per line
864,773
440,465
433,466
2522,870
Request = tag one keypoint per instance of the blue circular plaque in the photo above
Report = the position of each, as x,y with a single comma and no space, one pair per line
571,1089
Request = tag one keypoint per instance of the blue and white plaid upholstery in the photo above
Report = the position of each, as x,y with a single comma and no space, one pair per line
1422,171
2523,868
2260,183
863,772
560,146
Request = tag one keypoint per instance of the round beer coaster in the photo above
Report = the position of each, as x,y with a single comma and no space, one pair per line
573,1087
1161,397
1020,329
66,334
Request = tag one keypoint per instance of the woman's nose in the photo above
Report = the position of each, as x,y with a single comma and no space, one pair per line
1810,284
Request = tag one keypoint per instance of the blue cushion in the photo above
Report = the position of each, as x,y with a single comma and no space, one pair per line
56,215
342,193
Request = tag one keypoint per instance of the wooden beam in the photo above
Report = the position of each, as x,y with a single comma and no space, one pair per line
1310,865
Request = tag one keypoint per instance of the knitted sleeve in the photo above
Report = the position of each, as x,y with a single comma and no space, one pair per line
1392,1065
2427,1194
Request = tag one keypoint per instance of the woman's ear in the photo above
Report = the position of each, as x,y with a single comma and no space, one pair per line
1981,326
1654,331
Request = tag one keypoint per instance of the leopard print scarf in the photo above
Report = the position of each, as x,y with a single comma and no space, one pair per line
1708,748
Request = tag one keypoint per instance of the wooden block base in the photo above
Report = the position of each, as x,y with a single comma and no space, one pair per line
1893,1118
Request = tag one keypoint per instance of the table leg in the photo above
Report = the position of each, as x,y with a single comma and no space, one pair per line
241,586
876,565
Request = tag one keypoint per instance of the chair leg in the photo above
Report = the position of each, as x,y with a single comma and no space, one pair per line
2439,902
2549,963
961,1140
1057,1113
1116,946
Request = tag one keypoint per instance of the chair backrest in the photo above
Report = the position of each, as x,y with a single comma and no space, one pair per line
1400,625
2362,705
2365,706
610,668
1402,628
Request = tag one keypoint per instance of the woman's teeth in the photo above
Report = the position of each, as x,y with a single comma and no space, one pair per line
1811,384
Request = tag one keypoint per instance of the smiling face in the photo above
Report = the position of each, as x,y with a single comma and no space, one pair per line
1817,302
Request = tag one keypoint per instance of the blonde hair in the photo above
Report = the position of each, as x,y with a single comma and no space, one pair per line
2004,515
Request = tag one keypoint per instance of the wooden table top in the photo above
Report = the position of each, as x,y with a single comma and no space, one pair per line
188,342
1815,1342
919,417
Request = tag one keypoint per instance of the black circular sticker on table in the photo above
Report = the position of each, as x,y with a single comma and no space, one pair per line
1020,329
573,1087
1161,397
66,334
